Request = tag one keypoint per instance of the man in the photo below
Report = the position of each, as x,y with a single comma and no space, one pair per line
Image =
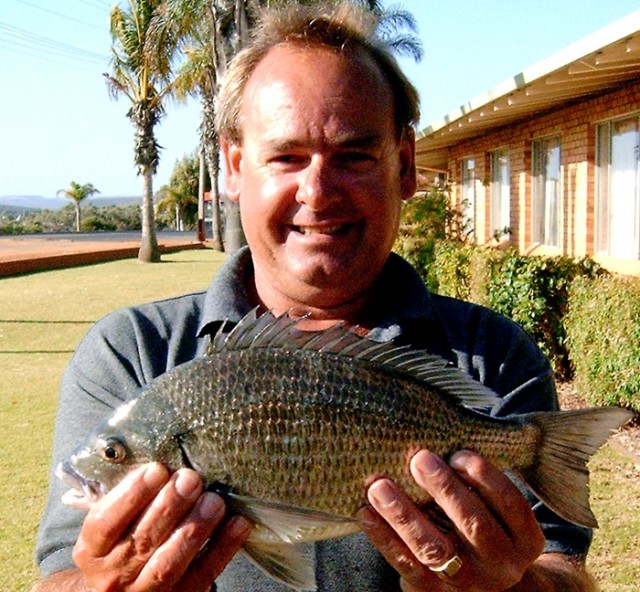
317,138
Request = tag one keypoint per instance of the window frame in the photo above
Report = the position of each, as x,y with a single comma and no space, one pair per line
500,191
605,209
546,216
468,192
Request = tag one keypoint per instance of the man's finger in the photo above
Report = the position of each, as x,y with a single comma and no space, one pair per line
111,517
462,504
226,541
172,559
423,539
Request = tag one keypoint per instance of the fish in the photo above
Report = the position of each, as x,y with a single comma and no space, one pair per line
290,426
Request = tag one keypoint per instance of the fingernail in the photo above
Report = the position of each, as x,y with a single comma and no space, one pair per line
383,493
461,461
155,476
239,527
426,463
187,484
210,506
368,517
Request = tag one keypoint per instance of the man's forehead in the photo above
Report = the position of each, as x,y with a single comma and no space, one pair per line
320,93
277,60
341,139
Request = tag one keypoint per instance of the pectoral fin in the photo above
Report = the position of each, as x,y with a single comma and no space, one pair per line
281,523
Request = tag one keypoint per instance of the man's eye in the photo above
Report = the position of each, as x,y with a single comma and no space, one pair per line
356,158
286,160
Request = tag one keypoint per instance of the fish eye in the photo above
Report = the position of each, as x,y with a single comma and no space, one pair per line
113,451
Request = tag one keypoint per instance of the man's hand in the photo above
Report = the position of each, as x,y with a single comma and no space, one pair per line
495,536
157,532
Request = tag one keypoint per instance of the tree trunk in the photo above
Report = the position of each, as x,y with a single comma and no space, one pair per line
212,159
210,150
77,205
149,251
233,234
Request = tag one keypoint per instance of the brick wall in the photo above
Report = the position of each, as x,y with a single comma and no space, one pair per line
576,125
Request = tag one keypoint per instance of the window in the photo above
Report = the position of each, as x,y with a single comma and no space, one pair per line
468,193
618,188
500,192
546,191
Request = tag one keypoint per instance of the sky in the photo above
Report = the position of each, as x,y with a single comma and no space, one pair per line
58,123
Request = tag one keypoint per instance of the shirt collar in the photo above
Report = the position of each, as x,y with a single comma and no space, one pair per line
401,296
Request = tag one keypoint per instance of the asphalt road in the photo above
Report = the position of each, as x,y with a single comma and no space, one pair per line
124,236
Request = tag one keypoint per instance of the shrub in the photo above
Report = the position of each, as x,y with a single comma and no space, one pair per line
427,219
603,333
534,292
96,223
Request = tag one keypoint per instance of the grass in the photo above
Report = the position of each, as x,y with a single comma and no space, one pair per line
615,496
44,315
42,318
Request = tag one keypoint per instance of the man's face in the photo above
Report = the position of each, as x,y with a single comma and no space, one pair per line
320,176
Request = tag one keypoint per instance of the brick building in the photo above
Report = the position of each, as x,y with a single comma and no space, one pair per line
553,154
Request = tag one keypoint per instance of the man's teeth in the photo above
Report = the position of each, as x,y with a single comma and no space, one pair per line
308,230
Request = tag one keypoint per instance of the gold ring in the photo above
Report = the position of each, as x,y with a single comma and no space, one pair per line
449,568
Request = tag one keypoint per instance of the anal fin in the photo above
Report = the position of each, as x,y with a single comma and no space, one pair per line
292,565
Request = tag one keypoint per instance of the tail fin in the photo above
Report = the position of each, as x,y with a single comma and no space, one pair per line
560,478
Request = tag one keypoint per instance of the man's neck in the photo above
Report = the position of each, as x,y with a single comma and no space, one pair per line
320,315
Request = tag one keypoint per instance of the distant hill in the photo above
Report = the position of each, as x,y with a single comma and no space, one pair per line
33,202
100,202
37,202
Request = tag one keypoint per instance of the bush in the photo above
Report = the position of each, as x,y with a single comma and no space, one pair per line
428,218
534,292
603,333
96,224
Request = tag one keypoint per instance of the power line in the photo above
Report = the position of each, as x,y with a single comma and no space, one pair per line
99,4
21,38
60,15
46,56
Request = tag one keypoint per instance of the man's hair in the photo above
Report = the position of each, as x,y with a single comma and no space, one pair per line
343,27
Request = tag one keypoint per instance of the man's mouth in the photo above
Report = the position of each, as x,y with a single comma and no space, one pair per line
333,230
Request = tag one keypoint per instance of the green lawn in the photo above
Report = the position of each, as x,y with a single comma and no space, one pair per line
42,318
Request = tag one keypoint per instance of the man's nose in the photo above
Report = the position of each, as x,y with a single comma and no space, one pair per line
318,184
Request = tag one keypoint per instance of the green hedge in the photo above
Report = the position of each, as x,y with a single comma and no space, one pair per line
603,328
532,291
586,321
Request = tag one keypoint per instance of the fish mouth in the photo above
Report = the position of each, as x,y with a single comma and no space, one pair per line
83,493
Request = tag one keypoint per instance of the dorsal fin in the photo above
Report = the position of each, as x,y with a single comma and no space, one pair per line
268,331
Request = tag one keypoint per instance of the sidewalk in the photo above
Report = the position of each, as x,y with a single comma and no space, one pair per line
20,254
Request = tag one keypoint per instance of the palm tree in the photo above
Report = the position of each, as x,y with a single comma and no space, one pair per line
142,60
78,193
204,34
180,197
397,27
177,200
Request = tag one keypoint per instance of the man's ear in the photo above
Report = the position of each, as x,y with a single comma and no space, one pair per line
408,176
232,159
